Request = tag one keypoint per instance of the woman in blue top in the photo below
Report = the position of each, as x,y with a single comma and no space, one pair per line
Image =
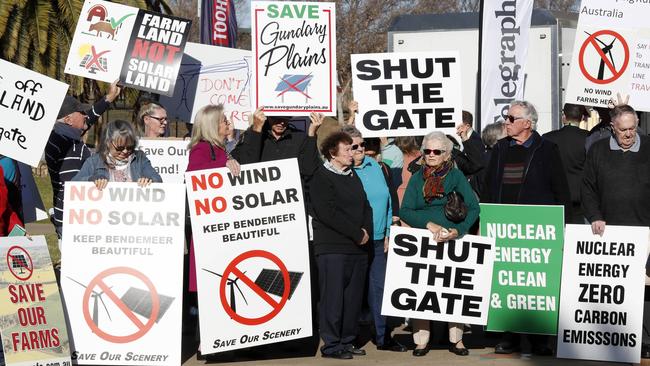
423,208
376,188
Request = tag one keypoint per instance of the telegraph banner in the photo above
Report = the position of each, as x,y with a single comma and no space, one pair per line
212,75
294,51
122,271
603,282
32,322
407,94
527,266
611,54
447,281
252,260
29,105
504,51
168,157
141,48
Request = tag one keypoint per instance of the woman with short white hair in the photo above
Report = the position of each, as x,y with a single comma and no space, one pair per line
429,203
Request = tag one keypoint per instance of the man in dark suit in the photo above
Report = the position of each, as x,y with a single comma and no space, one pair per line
571,141
472,145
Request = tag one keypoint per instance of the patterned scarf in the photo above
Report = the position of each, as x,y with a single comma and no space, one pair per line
434,177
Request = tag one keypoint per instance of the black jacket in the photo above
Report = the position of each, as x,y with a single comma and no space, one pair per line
544,181
571,142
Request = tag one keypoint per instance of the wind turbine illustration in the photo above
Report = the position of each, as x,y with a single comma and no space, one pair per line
232,284
97,296
607,50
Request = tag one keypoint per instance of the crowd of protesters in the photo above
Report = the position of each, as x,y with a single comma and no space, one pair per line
355,189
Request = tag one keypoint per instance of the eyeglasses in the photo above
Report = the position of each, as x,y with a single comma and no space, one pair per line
122,148
359,145
436,152
512,119
226,122
159,119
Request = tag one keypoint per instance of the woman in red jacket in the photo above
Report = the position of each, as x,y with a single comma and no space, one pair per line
8,218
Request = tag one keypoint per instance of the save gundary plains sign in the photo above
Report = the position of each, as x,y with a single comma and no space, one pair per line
407,94
142,48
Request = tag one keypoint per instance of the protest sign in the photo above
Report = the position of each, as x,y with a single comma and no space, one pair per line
212,75
438,281
32,323
122,271
407,94
504,51
603,281
252,261
527,266
141,48
611,54
294,50
168,157
29,105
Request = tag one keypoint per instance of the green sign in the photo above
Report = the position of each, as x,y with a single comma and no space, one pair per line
527,267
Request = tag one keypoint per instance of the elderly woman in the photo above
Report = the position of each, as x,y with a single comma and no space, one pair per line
342,228
117,159
152,120
423,207
379,196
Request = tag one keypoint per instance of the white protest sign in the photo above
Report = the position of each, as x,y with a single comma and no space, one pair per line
212,75
407,94
29,105
611,54
252,261
122,272
168,157
294,51
32,322
603,281
446,282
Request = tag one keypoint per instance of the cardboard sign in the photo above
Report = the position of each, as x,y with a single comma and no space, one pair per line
141,48
527,266
122,271
294,50
438,281
212,75
29,104
611,54
603,281
250,240
407,94
32,323
168,157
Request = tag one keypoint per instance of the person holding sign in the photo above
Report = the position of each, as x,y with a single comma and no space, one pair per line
152,120
342,228
118,160
424,206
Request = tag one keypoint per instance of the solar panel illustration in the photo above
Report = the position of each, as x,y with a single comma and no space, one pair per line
85,60
140,302
271,281
19,261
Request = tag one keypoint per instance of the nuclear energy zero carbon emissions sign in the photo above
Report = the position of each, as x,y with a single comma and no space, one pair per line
122,271
250,240
406,94
611,54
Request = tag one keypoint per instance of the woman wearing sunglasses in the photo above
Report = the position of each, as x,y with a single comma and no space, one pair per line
152,120
117,159
423,207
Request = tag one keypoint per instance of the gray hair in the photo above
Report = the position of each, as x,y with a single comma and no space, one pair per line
493,133
352,131
117,130
530,114
440,137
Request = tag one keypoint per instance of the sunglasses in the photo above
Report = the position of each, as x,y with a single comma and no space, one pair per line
512,119
357,146
122,148
159,119
436,152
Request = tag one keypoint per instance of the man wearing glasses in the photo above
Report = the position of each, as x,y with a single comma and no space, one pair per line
526,169
65,151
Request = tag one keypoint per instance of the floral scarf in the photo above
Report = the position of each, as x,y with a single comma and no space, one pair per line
434,177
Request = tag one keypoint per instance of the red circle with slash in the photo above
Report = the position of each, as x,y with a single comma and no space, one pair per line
591,40
29,265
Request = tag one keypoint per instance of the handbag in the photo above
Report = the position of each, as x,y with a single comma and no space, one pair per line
455,208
